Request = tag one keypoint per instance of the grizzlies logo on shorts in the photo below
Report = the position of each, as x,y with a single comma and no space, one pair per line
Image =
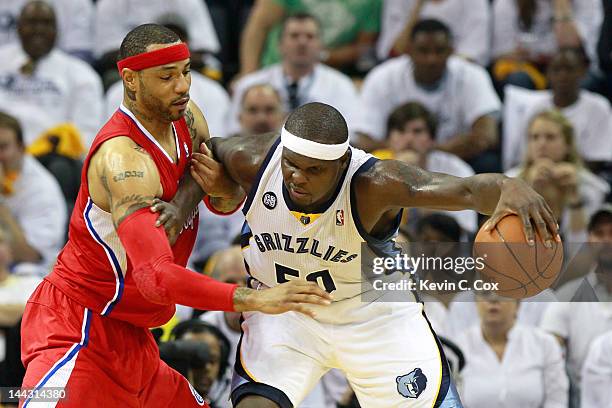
412,384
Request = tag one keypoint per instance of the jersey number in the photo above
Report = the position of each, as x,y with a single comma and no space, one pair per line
283,273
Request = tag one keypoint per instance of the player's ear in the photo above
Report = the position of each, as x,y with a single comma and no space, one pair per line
130,78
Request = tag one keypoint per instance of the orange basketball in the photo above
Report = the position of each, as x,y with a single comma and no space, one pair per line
520,270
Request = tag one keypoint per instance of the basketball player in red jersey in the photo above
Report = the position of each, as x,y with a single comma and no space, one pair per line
85,328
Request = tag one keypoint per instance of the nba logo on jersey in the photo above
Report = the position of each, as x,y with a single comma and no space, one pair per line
186,149
340,217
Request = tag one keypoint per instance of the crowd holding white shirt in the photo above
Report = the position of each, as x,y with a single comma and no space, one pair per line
115,18
465,94
74,22
540,39
470,25
61,89
38,205
597,374
590,115
531,373
581,322
324,84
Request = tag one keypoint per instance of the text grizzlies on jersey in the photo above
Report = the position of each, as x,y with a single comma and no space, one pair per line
301,245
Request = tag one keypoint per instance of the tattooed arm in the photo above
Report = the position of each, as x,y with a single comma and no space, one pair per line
122,178
225,193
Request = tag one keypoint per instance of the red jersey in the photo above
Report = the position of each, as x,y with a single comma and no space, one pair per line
93,268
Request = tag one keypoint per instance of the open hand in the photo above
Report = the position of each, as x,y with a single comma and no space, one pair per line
294,295
520,199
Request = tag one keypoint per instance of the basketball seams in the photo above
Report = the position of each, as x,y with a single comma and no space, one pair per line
531,280
511,269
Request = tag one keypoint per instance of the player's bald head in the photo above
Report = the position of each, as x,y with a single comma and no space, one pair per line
318,122
141,37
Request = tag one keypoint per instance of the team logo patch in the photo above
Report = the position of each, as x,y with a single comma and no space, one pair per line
412,384
304,219
340,217
269,200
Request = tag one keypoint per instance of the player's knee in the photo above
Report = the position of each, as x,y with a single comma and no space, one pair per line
255,401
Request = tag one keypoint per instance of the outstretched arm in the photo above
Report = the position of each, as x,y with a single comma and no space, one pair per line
157,277
399,185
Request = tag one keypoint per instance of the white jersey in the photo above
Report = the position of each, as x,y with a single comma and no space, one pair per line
281,244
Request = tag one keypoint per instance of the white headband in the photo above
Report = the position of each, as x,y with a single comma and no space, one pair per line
312,149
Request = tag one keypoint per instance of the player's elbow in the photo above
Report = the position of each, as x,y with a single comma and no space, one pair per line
148,279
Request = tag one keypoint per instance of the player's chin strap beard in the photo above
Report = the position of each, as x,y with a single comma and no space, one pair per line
312,149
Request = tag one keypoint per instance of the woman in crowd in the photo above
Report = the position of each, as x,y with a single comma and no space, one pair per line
553,167
509,365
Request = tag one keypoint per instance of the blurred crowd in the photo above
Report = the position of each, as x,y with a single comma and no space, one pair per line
521,87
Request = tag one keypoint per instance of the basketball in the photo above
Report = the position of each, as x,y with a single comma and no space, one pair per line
520,270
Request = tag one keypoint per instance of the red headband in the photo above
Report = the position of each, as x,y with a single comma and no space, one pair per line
155,58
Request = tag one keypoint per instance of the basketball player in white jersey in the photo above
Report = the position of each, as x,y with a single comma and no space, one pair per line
312,201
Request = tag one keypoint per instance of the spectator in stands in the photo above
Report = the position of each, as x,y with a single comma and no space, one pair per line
115,18
348,30
509,365
597,374
74,21
596,285
604,47
210,96
211,380
261,110
458,92
578,323
14,293
469,22
432,229
43,86
299,78
229,268
554,169
589,113
411,132
527,33
32,207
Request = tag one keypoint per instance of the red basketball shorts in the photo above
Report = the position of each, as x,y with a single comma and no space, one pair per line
98,361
